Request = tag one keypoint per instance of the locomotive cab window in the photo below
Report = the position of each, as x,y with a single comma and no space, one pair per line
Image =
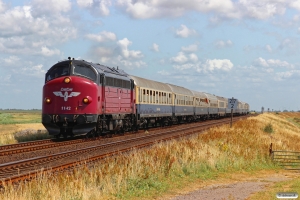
63,69
85,71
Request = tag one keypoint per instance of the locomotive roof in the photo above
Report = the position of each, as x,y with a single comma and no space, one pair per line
111,70
102,69
108,71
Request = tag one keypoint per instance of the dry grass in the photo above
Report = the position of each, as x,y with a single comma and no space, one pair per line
14,121
8,131
150,173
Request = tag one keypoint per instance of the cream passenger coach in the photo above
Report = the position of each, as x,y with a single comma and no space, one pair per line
167,104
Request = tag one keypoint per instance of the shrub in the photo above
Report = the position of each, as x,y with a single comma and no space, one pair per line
269,128
31,135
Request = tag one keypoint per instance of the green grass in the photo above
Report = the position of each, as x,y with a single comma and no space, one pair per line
286,186
269,128
20,117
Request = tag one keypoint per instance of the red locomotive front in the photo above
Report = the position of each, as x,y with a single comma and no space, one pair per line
77,99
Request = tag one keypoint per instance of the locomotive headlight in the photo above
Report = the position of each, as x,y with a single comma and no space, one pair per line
67,80
47,100
87,100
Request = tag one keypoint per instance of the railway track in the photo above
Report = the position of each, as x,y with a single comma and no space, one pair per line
50,157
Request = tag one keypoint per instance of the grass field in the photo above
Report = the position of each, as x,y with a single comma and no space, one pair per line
166,167
16,122
19,117
286,186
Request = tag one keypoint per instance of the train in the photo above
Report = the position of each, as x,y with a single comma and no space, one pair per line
85,98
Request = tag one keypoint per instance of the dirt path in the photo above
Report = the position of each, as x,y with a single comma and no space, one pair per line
235,186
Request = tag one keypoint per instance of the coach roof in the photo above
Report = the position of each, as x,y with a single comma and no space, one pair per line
181,90
146,83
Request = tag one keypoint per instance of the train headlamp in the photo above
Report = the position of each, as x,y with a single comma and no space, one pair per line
67,80
87,100
47,100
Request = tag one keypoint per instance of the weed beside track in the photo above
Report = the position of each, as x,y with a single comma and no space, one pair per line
153,172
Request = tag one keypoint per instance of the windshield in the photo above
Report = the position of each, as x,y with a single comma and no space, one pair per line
84,70
61,69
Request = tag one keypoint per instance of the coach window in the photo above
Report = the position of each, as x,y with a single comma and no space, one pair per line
167,96
140,95
144,95
153,96
150,96
147,100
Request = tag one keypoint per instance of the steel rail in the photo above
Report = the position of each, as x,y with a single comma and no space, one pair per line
23,168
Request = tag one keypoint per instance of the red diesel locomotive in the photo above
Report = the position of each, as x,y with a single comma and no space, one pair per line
80,97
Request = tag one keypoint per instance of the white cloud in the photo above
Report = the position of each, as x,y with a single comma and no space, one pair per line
218,64
190,48
272,63
117,54
185,32
123,46
22,32
269,48
144,9
280,76
290,46
180,58
102,37
225,9
97,7
261,9
193,57
35,70
50,7
2,6
295,4
11,60
222,44
49,52
155,47
164,72
85,3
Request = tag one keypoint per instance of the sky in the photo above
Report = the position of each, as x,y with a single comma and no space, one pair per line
246,49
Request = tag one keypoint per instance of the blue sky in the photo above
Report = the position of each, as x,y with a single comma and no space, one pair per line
246,49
